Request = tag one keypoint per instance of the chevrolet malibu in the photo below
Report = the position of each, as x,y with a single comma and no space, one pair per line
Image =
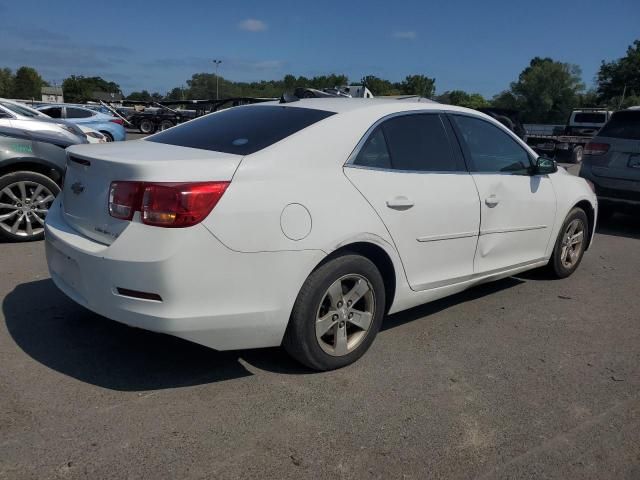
303,224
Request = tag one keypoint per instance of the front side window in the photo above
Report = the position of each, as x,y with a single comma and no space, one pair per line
412,142
78,113
24,111
489,148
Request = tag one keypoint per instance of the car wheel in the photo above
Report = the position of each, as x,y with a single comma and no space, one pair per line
164,124
25,199
577,154
337,314
570,244
108,137
147,126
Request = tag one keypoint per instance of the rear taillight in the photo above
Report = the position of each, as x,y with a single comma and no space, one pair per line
165,204
124,199
592,148
117,120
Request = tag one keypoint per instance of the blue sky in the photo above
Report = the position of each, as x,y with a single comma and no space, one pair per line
478,46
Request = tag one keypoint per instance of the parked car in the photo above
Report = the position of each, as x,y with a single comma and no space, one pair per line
17,115
304,223
93,136
111,127
32,164
612,163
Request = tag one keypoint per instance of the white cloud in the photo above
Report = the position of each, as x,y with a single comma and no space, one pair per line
406,35
252,25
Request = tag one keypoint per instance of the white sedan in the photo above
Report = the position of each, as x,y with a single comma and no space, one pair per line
303,224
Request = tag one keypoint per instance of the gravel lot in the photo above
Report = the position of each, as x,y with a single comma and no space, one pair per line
523,378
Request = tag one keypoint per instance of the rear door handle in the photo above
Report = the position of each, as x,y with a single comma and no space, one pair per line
491,201
400,203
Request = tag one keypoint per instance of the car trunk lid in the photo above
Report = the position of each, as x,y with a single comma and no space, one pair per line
92,168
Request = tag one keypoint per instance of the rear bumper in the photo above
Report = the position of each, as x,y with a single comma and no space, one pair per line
210,295
613,192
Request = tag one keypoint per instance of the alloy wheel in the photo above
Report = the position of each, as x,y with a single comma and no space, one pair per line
572,243
345,315
23,208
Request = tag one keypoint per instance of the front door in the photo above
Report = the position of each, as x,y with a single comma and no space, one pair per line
416,181
517,209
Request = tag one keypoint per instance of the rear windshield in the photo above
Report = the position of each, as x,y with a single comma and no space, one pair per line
590,118
241,130
625,124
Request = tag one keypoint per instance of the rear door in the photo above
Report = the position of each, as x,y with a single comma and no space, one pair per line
412,173
622,135
79,115
517,209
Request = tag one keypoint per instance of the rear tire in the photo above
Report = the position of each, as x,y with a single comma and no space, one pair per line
577,154
107,136
570,244
164,124
27,196
147,126
337,314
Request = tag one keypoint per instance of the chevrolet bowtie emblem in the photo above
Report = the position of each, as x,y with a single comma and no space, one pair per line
77,188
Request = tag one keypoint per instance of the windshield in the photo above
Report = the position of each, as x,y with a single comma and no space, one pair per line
625,124
241,130
21,110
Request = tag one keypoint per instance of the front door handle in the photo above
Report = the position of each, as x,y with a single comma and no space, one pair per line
491,201
400,203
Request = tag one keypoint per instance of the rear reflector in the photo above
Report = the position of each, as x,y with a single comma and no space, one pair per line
125,292
165,204
596,148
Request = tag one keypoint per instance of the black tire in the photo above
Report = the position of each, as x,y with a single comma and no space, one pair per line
556,265
300,339
147,126
33,179
107,136
164,124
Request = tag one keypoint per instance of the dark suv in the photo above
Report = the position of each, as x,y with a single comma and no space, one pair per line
612,162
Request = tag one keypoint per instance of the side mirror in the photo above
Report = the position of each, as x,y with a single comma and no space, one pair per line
545,166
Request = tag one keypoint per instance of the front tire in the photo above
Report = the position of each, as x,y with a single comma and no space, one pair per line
25,199
147,126
337,314
108,137
570,244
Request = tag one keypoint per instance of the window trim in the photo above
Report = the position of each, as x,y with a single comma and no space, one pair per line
440,113
9,114
467,154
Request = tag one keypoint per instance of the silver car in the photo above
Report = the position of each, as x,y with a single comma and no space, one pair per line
612,163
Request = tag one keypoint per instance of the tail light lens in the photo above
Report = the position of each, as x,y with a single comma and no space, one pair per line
596,148
165,204
117,120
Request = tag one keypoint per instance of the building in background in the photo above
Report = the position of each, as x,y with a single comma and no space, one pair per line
52,94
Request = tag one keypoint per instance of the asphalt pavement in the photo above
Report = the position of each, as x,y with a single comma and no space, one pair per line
527,377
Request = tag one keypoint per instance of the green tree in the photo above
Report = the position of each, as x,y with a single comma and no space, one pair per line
6,82
27,84
505,99
379,86
620,76
81,89
419,85
463,99
142,96
547,91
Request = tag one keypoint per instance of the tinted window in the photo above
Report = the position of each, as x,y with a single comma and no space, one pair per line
374,152
241,130
419,142
489,148
53,112
625,124
78,113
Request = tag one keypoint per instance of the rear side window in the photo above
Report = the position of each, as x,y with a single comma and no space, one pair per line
241,130
79,113
590,118
625,124
53,112
489,148
415,142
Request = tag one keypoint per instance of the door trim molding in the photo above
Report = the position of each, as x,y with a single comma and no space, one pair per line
491,231
446,236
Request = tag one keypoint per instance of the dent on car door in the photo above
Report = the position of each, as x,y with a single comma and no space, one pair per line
411,173
517,208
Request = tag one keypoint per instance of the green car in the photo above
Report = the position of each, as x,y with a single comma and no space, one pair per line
31,169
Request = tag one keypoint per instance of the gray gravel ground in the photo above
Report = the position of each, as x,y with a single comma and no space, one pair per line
523,378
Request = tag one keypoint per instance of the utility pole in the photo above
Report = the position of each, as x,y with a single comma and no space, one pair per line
217,64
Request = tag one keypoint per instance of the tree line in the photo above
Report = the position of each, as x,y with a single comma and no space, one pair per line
545,91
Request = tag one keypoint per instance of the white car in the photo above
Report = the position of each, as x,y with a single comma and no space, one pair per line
302,224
